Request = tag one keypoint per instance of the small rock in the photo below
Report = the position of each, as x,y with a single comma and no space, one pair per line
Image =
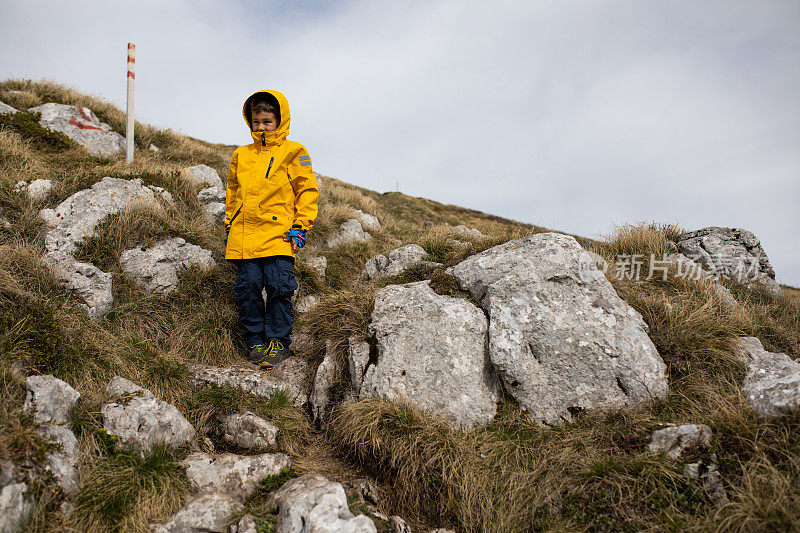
712,480
39,189
319,264
287,376
5,108
64,462
207,513
368,222
324,380
350,231
141,420
156,268
249,431
306,303
674,440
15,508
162,193
153,148
312,503
357,360
246,525
394,262
363,489
203,175
50,398
464,232
235,475
82,126
399,525
772,383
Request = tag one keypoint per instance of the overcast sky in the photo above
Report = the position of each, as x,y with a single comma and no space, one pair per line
575,115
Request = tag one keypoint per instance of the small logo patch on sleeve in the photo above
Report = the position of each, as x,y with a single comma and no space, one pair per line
305,160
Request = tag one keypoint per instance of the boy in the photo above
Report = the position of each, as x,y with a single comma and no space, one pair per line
271,203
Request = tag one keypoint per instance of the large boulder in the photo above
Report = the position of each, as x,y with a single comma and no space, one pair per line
207,513
287,376
772,383
395,262
350,231
204,176
431,351
76,218
141,420
235,475
156,268
82,126
312,503
733,253
560,337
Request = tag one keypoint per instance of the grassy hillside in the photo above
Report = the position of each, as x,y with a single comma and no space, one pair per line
591,474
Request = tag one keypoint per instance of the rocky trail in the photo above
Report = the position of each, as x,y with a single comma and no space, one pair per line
535,325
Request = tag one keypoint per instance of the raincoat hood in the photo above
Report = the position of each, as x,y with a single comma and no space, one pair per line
270,138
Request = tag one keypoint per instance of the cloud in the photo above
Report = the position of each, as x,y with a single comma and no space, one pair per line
572,115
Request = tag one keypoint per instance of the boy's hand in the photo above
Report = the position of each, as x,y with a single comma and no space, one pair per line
297,236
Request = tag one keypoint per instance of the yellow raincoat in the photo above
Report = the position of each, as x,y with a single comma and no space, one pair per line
271,186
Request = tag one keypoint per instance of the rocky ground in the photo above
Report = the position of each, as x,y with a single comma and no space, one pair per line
453,370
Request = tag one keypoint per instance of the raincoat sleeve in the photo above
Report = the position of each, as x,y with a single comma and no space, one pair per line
304,184
233,188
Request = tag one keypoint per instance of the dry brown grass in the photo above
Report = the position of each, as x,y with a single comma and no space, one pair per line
18,160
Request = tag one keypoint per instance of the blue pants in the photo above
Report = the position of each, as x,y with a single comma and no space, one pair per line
274,321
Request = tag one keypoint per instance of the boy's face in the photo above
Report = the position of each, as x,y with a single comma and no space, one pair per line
264,121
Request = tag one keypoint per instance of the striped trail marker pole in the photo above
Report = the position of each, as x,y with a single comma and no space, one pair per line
129,114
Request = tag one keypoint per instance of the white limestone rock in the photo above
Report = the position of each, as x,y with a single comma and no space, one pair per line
368,222
15,508
284,377
82,126
560,337
395,262
772,383
50,399
319,264
203,175
63,462
350,231
207,513
5,108
324,380
312,503
675,440
357,361
38,189
157,268
467,233
306,303
249,432
431,351
246,525
76,218
141,420
733,253
235,475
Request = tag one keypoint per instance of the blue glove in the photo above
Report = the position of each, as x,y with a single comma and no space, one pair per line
297,236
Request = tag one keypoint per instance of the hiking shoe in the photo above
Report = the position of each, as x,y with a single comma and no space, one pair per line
276,352
257,353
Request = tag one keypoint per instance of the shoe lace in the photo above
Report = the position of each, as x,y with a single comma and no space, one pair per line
275,347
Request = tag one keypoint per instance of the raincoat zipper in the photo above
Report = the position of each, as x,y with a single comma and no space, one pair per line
271,159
